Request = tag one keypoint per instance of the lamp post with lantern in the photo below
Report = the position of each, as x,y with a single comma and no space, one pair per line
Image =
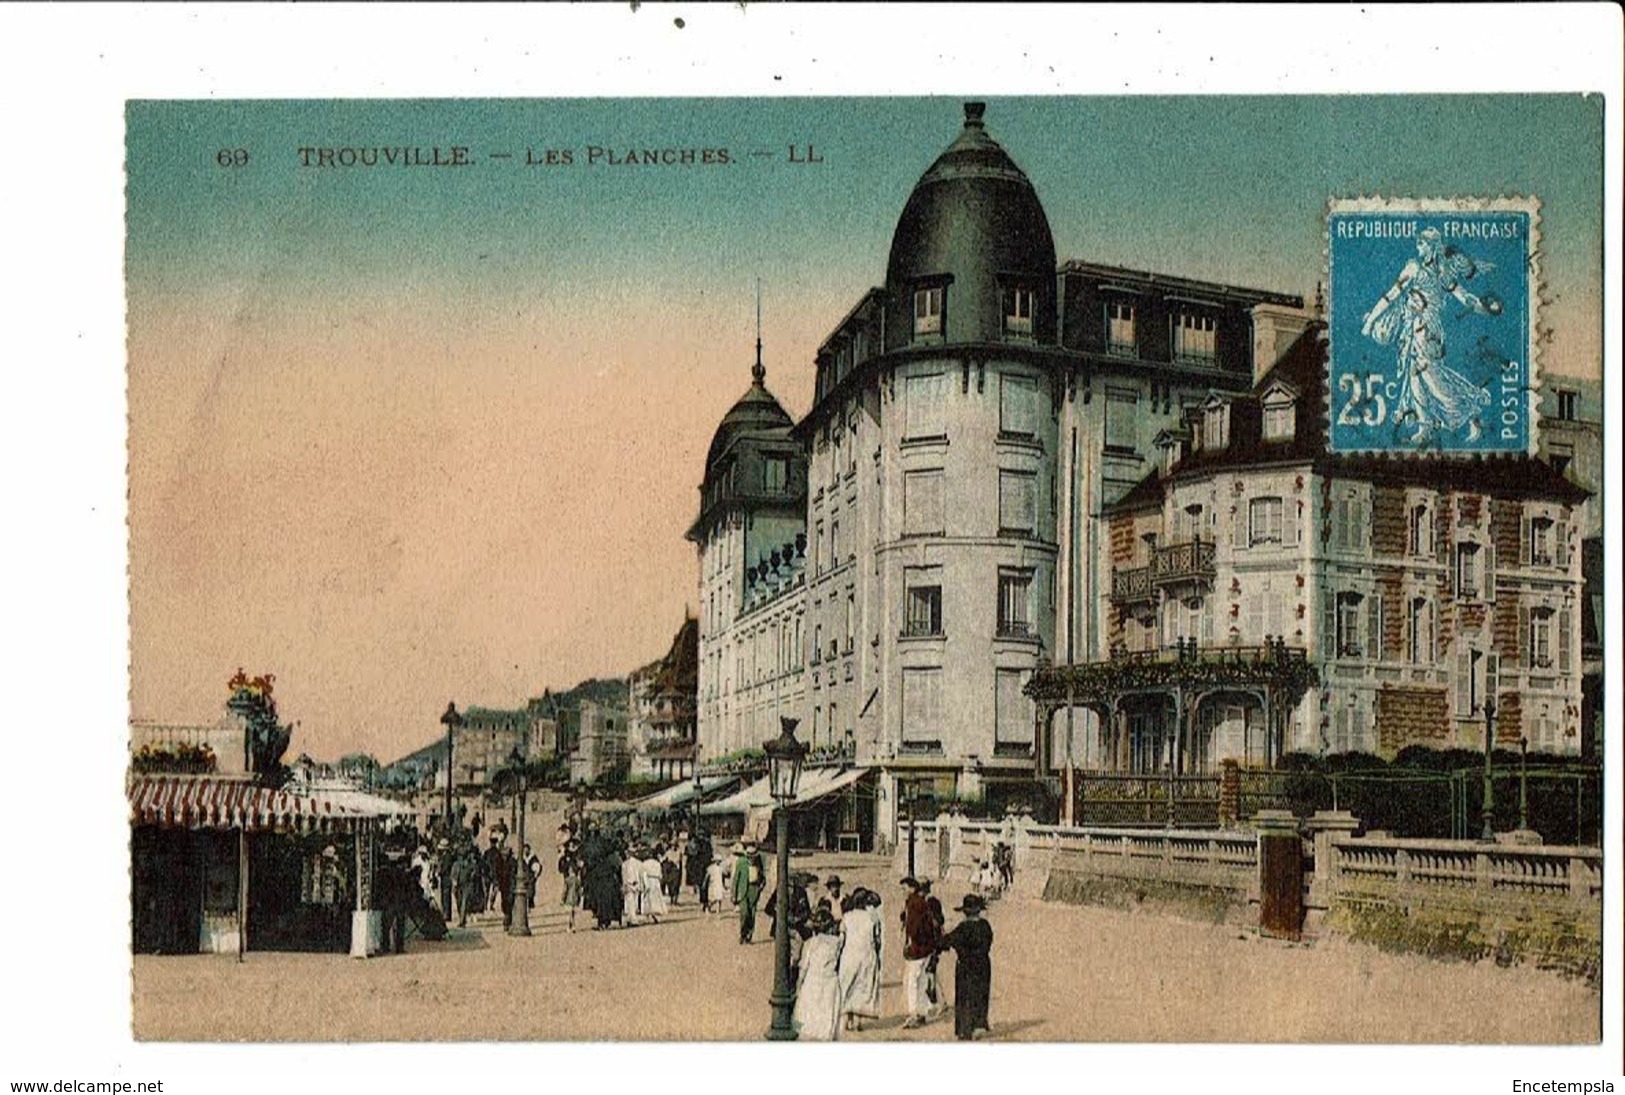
451,720
1487,833
784,757
519,922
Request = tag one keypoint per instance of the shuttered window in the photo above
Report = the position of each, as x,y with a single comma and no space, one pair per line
923,399
1013,714
922,502
1018,405
1122,421
1017,498
922,705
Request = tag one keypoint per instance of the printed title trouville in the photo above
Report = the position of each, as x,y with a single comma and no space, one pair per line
591,155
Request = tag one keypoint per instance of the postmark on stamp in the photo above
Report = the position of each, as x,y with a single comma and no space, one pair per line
1432,306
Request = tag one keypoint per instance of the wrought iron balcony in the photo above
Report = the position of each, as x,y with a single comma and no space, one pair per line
1133,584
1187,562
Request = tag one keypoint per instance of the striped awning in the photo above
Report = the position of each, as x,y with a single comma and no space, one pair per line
206,802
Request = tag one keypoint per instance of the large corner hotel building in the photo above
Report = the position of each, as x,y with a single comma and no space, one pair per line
1025,488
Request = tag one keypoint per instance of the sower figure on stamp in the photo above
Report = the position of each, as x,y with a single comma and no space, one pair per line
1411,314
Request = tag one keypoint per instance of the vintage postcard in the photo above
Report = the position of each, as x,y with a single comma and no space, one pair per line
900,569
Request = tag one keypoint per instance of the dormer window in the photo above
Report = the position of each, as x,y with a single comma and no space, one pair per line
775,474
928,310
1279,420
1195,338
1120,328
1216,426
1018,312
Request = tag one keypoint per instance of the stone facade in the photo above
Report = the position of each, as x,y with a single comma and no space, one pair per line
1418,589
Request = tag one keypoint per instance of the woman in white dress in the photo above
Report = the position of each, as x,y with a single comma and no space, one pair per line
632,888
861,932
818,993
651,888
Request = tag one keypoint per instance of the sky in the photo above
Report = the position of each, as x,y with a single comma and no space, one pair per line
404,435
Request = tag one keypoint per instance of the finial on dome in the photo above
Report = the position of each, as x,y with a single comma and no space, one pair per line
758,372
973,115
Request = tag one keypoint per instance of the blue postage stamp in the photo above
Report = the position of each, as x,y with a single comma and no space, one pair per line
1432,310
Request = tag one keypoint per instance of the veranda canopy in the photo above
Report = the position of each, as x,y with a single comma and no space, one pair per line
679,793
210,802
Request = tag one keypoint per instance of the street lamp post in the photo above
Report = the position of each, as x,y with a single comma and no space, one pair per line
784,757
1487,833
451,720
1523,784
519,922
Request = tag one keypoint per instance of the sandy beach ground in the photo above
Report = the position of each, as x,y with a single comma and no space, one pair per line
1060,973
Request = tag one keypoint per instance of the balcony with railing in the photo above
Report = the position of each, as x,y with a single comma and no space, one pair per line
1177,563
1131,585
1185,563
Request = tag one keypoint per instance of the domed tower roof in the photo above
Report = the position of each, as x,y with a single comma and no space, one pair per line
755,411
975,224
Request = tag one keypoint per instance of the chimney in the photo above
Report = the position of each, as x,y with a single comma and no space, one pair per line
1275,328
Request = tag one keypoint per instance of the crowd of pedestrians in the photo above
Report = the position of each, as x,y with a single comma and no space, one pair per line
624,877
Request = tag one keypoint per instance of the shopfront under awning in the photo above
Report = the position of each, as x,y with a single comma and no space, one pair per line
816,784
821,783
679,794
755,796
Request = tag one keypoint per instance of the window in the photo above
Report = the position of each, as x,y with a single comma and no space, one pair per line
1419,540
922,503
1264,521
923,605
1018,311
1120,328
1216,427
1421,631
775,474
1018,405
922,706
1467,575
1278,422
1017,499
1568,402
1540,639
1195,338
1540,542
851,621
1565,641
928,310
1350,522
1348,625
1122,425
818,548
923,398
1015,608
835,543
1012,711
818,643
